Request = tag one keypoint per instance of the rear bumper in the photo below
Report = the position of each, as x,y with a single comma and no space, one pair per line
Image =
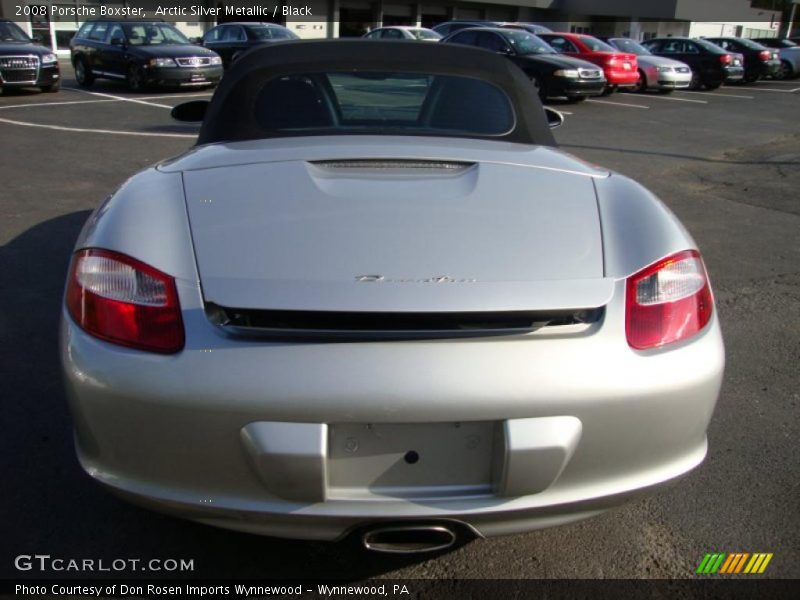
176,433
622,78
733,74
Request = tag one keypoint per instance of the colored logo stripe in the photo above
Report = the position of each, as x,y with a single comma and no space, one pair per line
737,562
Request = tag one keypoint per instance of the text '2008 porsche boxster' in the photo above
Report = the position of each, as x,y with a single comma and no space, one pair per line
376,298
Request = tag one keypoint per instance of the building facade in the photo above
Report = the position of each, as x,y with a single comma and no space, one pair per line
638,19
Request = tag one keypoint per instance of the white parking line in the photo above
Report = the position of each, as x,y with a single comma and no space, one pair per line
674,99
37,104
122,98
718,95
763,89
104,131
616,103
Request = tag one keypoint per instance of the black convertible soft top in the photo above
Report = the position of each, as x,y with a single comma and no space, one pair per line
231,115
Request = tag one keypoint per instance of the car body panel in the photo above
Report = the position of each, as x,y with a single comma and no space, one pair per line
255,433
542,67
620,68
22,64
702,57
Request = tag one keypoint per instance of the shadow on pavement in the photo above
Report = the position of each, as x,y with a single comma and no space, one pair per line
53,508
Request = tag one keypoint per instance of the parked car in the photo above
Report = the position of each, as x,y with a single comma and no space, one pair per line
231,39
655,72
759,61
143,54
23,63
533,28
553,74
395,310
711,65
621,68
788,53
404,32
448,27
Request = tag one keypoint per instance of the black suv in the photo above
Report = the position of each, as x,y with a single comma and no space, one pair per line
142,53
24,63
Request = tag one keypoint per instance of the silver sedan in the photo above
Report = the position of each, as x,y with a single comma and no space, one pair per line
375,298
655,72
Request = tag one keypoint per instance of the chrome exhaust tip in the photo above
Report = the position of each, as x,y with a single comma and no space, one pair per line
408,539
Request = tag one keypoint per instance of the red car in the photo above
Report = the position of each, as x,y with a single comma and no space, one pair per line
621,69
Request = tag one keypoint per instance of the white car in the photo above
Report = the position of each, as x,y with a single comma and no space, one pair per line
404,32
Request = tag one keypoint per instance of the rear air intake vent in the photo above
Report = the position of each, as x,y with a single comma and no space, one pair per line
382,164
352,326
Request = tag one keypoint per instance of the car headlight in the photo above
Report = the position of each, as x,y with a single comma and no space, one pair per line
163,62
49,59
571,73
664,69
216,60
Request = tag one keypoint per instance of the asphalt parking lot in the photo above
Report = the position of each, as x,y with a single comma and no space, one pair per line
727,163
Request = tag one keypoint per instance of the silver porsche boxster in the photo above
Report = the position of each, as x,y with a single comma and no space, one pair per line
376,299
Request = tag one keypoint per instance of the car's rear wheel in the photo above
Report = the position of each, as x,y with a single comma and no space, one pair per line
135,78
696,83
713,85
52,88
83,75
666,90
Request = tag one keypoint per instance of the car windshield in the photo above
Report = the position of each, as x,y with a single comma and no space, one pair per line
527,43
425,34
9,32
383,102
153,34
628,45
596,45
271,33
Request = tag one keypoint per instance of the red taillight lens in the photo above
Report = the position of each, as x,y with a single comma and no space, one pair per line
668,301
765,55
726,59
124,301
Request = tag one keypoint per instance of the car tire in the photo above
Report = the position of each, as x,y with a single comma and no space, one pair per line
713,86
52,88
751,78
786,71
641,85
135,78
576,99
666,90
83,74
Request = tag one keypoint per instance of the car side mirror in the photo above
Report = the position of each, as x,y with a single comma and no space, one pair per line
117,41
554,118
190,112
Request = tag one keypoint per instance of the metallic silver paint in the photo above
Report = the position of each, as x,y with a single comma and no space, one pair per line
166,431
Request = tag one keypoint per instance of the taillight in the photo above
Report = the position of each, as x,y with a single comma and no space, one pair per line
668,301
765,55
726,59
121,300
